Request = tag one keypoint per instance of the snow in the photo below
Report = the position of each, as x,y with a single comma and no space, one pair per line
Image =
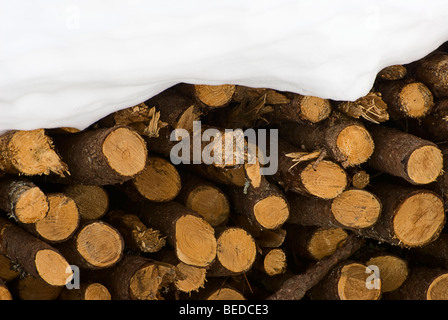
70,62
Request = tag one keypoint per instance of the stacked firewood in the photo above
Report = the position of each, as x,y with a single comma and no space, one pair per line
354,210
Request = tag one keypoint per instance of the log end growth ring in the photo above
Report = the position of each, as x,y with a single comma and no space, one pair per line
419,219
125,151
425,164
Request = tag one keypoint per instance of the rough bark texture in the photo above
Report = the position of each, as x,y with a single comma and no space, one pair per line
354,209
406,98
265,206
34,256
23,200
102,156
411,216
192,238
423,283
404,155
324,179
432,71
135,278
343,138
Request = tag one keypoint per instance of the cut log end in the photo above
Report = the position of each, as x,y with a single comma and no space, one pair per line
325,241
271,212
394,72
274,262
92,201
236,250
352,284
418,169
416,100
147,281
355,144
30,153
437,288
96,291
315,109
52,267
99,244
125,151
419,219
226,294
325,179
214,95
209,202
195,241
393,271
192,278
159,181
356,208
32,206
61,221
187,118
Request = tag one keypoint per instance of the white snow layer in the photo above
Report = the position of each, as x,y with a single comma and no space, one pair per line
71,62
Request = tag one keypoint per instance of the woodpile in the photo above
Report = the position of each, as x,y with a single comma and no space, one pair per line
131,209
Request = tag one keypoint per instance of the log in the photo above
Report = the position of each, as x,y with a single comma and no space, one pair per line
135,278
92,201
304,174
29,152
95,245
423,283
435,124
61,221
192,238
205,198
159,181
136,235
301,109
393,269
22,200
404,155
235,252
265,238
178,106
34,288
8,270
190,278
393,72
214,96
344,139
102,156
354,209
87,291
313,243
346,281
370,107
432,71
359,179
272,262
34,256
411,216
406,98
265,206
